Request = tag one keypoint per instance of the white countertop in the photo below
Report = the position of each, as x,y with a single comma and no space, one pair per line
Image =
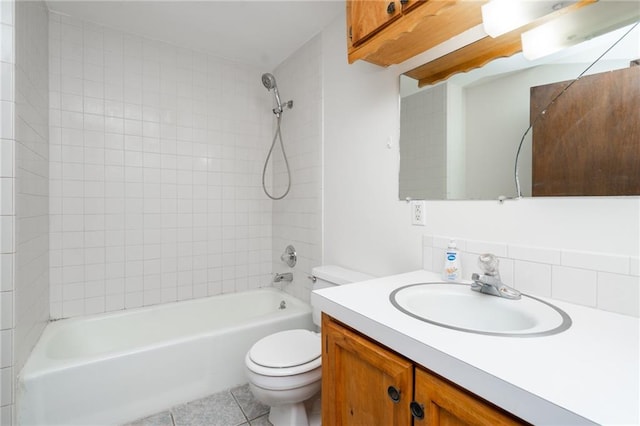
589,373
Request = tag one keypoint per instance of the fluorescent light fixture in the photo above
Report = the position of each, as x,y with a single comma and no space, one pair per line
578,26
502,16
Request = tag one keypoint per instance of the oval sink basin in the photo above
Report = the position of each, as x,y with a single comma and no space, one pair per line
457,307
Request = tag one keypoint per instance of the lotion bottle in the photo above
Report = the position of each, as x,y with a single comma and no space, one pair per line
452,269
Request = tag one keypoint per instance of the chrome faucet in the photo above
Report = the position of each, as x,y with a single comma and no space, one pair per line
490,282
287,276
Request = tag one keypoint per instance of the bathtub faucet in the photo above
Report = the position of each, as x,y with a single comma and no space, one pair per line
287,276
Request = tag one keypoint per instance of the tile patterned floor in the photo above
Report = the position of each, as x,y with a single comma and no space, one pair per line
233,407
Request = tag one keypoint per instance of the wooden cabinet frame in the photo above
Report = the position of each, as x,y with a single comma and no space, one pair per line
358,375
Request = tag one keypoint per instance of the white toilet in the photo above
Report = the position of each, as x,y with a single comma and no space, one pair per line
284,369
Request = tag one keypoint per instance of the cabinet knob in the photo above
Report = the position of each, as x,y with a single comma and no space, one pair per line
393,393
403,2
417,410
391,8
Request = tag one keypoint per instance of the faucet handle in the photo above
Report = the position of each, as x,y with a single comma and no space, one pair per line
489,264
289,256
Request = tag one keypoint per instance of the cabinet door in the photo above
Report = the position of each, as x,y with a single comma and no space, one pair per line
447,405
360,380
410,4
366,17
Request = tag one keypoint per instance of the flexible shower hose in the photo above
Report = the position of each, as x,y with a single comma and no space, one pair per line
276,136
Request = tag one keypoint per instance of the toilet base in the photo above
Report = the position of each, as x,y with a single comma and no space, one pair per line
302,413
288,415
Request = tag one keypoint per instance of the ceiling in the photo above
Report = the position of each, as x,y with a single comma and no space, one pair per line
261,33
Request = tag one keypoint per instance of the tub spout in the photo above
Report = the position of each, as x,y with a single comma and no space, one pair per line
287,276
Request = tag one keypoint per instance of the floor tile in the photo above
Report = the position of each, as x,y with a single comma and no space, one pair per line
261,421
160,419
219,409
251,407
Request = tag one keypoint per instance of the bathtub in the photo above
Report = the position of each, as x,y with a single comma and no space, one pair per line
117,367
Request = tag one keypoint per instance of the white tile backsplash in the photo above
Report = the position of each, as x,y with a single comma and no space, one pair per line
532,278
619,293
479,247
534,254
634,266
574,285
596,261
579,277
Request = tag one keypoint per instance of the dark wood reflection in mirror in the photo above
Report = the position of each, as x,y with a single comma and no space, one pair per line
588,141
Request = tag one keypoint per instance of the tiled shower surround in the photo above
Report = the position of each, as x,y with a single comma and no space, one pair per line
24,235
155,167
297,219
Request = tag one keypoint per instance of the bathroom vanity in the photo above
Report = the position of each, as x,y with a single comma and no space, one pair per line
389,388
588,374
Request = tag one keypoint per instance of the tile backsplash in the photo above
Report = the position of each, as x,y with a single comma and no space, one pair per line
600,280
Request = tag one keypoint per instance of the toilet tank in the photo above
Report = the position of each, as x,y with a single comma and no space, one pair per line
332,275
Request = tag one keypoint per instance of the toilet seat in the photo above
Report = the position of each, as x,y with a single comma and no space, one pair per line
286,353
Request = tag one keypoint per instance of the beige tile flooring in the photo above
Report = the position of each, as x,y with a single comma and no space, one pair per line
233,407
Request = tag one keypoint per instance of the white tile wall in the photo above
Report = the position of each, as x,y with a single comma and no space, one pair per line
584,278
23,189
155,166
7,219
31,191
423,168
297,219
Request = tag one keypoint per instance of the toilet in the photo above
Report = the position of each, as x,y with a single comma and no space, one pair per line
285,369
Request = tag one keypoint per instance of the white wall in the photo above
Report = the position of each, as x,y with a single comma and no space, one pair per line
156,161
368,229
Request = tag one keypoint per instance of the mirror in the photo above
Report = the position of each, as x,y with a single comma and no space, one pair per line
459,138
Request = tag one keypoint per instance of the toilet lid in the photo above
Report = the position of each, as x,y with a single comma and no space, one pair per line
286,349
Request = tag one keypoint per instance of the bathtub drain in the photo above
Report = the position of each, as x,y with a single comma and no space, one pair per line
283,305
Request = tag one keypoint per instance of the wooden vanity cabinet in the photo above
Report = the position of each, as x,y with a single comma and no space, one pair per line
364,383
446,404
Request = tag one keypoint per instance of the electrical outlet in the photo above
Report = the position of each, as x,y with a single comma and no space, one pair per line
418,214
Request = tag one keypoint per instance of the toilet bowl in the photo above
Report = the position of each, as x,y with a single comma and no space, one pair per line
285,369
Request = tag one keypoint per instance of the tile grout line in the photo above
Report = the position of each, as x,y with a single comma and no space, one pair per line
240,407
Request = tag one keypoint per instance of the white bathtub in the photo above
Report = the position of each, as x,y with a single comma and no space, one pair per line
117,367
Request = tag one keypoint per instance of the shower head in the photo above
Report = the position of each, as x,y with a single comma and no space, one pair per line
269,81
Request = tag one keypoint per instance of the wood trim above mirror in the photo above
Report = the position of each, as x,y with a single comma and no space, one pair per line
423,26
479,53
